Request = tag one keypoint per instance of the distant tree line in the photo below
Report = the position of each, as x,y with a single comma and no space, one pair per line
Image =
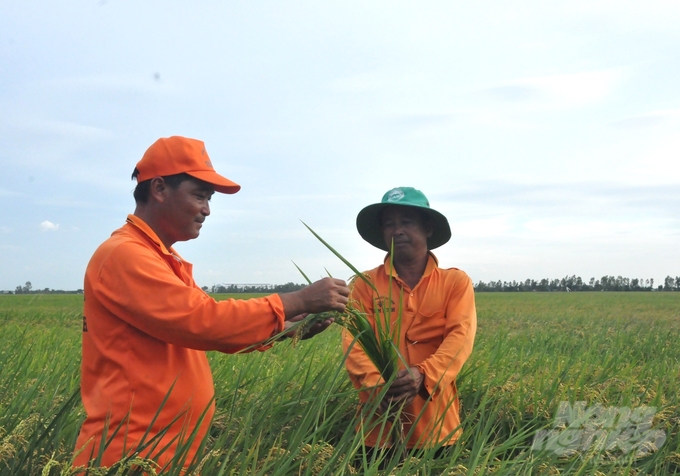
254,288
575,283
216,288
566,284
28,289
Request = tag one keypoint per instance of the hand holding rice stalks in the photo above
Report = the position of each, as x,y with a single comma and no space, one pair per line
379,341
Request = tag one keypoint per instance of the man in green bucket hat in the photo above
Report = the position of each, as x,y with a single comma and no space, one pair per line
434,309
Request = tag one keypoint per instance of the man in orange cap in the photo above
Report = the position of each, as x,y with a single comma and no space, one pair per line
146,384
437,320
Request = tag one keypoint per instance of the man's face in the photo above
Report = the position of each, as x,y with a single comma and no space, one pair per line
185,208
406,227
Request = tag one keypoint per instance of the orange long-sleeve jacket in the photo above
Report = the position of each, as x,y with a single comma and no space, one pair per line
438,326
146,328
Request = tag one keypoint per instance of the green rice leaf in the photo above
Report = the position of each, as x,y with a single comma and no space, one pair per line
309,281
342,258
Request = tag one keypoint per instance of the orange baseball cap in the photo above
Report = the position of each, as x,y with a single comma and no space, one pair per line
176,155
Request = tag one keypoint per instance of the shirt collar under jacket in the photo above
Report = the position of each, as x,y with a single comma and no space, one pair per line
432,263
146,230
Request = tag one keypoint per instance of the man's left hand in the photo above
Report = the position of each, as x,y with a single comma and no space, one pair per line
403,389
316,328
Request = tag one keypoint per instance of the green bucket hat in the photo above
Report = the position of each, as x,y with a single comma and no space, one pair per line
368,220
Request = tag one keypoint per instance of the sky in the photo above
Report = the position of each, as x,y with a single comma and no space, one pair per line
548,133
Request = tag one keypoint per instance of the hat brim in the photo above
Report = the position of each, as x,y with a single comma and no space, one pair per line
370,228
221,184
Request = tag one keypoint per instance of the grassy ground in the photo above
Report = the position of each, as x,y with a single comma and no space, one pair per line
291,411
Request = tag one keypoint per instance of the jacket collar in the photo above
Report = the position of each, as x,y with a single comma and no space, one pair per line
432,263
141,226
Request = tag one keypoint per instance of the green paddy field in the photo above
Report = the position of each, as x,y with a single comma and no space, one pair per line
291,410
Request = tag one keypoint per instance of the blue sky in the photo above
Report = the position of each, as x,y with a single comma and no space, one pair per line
547,133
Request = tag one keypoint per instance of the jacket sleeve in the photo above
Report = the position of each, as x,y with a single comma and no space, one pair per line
140,288
361,370
442,367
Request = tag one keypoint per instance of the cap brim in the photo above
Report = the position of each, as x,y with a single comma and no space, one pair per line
221,184
370,229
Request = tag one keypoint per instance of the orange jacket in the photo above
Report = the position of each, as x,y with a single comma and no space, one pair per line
146,326
438,326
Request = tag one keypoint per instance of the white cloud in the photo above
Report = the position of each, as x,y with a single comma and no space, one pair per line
359,83
562,91
659,165
151,83
559,230
648,119
8,193
388,83
55,129
49,226
483,227
577,89
496,117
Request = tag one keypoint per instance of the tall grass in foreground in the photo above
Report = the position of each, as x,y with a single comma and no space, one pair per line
292,411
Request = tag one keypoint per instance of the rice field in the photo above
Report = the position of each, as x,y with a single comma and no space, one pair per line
292,410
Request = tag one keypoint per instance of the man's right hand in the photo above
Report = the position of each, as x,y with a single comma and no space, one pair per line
327,294
403,389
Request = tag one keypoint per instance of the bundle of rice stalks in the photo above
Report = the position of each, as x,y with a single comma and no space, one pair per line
380,342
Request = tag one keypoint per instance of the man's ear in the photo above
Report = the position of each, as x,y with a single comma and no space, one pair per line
429,227
157,189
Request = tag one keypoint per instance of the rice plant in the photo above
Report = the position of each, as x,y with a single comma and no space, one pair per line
292,411
380,341
380,344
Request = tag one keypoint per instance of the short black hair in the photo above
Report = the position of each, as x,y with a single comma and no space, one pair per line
143,189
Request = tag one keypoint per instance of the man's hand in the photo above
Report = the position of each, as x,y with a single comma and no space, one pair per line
403,389
316,328
327,294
